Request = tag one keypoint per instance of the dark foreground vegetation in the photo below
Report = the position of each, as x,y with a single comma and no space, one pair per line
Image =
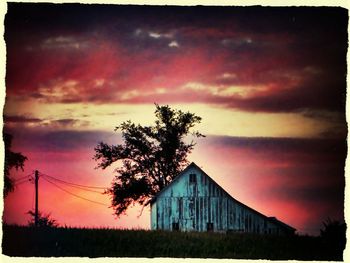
81,242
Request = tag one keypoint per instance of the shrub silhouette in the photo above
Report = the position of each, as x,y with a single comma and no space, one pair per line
44,220
334,236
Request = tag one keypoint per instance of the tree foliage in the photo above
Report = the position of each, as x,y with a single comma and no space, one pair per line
44,220
150,158
334,235
12,159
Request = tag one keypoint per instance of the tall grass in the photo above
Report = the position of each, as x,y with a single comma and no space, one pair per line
102,242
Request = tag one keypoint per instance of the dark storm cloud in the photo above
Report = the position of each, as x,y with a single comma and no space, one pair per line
313,147
302,97
299,54
314,195
38,139
20,119
69,123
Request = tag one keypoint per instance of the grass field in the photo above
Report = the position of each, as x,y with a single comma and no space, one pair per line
81,242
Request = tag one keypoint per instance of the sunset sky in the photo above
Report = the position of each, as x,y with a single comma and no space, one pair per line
268,82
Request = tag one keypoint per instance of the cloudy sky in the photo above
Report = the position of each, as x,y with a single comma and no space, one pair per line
268,82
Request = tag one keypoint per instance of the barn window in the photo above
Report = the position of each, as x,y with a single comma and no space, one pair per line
193,178
176,227
210,227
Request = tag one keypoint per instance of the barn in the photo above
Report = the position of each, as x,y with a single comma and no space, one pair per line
195,202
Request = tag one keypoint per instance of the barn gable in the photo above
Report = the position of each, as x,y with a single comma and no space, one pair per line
195,202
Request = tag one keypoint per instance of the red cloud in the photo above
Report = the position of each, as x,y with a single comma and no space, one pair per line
293,61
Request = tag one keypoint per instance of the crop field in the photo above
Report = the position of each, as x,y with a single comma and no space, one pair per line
83,242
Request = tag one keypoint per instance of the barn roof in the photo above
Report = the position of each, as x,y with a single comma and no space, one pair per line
271,219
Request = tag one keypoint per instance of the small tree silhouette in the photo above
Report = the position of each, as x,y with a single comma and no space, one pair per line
334,236
12,159
44,220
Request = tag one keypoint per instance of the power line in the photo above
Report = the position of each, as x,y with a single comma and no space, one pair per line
18,179
78,196
78,187
17,184
21,181
85,186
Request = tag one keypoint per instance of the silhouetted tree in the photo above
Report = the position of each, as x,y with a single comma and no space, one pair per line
334,236
12,159
151,156
44,220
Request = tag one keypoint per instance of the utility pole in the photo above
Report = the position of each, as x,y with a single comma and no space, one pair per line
36,198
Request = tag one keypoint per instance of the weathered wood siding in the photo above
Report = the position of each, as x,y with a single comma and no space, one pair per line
154,217
192,205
